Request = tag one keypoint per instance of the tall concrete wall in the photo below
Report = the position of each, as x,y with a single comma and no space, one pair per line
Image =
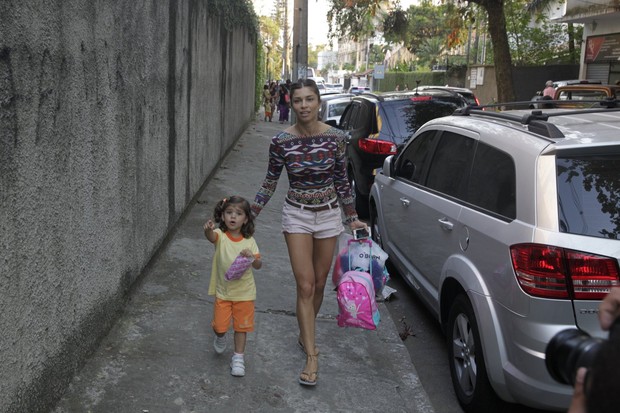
112,115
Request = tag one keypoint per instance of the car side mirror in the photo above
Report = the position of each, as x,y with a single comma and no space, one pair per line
388,166
332,122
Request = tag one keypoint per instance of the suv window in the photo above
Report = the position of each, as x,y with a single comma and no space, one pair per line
337,109
405,116
348,119
451,165
493,181
589,195
415,158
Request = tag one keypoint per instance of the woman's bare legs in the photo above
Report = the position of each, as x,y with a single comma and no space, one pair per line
311,261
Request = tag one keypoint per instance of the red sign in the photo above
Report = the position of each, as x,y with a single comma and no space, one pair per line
603,48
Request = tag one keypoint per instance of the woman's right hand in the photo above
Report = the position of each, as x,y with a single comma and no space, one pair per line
357,224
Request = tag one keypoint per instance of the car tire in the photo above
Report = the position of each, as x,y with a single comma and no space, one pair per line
467,364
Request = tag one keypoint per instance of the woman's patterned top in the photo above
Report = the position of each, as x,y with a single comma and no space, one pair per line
316,169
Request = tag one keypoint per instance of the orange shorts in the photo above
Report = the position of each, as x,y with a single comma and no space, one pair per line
241,312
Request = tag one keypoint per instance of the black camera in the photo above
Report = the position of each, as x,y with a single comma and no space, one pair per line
572,348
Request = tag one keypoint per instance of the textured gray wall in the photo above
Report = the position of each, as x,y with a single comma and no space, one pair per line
112,115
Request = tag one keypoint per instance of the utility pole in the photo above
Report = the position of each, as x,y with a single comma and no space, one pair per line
300,40
285,46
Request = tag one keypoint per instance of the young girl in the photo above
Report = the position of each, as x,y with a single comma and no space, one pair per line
233,298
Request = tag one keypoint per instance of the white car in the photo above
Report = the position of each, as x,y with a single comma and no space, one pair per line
332,107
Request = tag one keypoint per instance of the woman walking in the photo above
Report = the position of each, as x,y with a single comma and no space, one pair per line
313,154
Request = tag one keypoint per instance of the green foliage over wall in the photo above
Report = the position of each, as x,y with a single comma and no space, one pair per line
240,13
260,75
455,76
236,13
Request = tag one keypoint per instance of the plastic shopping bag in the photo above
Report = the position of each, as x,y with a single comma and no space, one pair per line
239,266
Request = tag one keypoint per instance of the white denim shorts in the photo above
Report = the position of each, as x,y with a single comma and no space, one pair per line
321,224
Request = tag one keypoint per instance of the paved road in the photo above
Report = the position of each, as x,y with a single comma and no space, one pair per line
427,348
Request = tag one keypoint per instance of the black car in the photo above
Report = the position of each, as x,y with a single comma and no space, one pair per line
379,125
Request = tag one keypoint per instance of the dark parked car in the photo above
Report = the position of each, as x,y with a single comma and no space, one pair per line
379,125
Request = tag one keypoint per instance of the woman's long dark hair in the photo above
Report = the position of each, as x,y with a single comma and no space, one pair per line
247,230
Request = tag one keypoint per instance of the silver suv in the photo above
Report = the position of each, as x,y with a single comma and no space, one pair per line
507,226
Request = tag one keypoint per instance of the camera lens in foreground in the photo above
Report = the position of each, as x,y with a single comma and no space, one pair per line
567,351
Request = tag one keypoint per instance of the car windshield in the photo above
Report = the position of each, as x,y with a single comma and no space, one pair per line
405,116
589,195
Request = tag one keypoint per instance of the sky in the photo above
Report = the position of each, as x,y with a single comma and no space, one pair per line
317,17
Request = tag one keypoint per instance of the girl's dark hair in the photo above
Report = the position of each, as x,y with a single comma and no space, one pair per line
247,230
305,83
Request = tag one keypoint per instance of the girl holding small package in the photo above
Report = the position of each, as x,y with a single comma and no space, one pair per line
232,281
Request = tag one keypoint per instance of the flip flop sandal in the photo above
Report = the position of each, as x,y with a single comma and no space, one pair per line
309,376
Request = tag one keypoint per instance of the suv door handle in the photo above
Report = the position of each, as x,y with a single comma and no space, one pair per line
405,202
445,224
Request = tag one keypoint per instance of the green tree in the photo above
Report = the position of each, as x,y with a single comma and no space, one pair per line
270,34
352,18
499,38
431,50
376,53
501,47
573,34
420,23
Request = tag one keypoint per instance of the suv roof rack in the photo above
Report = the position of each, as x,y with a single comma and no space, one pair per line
536,121
408,94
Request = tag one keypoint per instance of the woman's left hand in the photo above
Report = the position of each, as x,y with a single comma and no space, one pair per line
357,224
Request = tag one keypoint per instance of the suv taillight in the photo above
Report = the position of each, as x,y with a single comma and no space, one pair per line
552,272
377,147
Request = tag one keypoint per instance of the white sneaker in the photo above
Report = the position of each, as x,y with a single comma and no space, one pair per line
237,366
219,344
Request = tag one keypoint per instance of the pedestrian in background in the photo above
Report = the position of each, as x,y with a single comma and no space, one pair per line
235,247
283,103
273,90
313,154
549,90
267,103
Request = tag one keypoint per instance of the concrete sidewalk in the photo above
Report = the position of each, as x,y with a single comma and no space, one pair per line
159,357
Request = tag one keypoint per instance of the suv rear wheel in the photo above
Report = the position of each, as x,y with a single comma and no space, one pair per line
467,366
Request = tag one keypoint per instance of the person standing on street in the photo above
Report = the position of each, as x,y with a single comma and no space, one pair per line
283,103
232,281
313,154
549,90
273,90
267,103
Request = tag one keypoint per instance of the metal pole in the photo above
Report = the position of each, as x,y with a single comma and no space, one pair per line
300,40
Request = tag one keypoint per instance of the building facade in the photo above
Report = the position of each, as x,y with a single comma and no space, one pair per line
600,58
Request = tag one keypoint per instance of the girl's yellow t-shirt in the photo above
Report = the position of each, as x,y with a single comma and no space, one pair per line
227,248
